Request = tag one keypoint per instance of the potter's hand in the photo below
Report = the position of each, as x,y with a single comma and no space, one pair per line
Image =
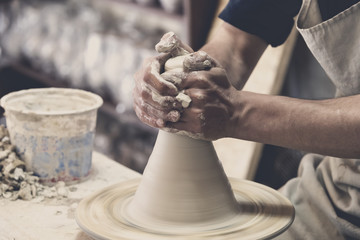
210,114
154,97
157,99
160,98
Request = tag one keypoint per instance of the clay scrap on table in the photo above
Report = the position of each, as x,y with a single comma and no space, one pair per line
16,182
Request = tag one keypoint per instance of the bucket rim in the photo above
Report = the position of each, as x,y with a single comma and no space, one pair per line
98,101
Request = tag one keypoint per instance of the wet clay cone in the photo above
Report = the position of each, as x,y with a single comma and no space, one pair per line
183,184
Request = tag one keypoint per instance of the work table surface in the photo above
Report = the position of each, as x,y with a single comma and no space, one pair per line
55,218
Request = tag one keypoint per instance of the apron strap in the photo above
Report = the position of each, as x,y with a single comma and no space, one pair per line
335,43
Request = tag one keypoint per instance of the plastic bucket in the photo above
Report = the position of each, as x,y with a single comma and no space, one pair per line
53,131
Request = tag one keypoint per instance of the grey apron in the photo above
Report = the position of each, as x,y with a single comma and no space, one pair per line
326,193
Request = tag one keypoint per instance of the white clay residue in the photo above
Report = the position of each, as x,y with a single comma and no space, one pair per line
155,71
162,100
170,43
184,99
199,136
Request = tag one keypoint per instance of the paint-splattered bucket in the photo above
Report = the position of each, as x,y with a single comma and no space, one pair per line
53,131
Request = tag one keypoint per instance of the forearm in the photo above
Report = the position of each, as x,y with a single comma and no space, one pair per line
329,127
237,51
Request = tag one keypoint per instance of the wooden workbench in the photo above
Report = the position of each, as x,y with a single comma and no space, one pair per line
55,218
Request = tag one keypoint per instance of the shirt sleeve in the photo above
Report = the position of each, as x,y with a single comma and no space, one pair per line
272,20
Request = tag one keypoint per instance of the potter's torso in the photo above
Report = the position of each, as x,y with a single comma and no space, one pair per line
326,194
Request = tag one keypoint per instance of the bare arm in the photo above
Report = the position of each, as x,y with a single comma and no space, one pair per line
329,127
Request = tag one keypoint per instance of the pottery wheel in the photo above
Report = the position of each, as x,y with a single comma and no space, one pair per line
264,213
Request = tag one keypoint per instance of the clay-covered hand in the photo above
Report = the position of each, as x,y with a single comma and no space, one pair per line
157,99
154,97
185,92
211,113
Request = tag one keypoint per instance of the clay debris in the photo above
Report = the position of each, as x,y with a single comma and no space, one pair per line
16,182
